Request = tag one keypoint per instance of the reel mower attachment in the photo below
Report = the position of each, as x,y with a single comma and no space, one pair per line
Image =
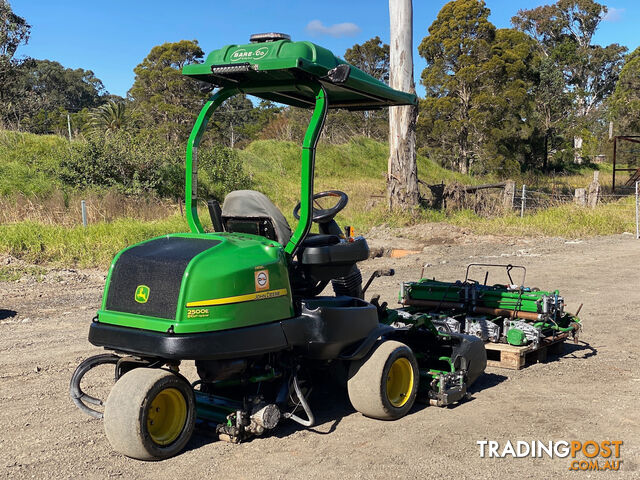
500,313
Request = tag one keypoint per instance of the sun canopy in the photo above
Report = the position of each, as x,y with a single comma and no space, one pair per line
280,70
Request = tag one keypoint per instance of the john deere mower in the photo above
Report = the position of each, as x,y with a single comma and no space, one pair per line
244,302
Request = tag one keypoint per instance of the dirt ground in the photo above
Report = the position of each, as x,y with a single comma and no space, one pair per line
590,392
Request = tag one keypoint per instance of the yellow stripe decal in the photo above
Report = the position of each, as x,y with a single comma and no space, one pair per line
240,298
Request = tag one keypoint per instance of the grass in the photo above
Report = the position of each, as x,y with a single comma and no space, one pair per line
568,221
29,162
11,273
28,190
357,167
94,246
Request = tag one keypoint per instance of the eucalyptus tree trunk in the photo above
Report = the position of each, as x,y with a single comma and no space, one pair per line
402,173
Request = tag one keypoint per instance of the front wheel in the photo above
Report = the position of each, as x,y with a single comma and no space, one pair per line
384,384
150,414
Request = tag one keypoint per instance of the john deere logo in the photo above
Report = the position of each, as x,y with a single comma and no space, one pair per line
142,294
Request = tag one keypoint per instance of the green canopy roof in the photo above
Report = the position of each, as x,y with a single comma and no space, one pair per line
278,71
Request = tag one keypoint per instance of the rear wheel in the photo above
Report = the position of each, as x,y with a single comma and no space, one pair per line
384,384
150,414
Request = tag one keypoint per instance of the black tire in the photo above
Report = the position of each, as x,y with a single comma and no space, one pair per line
384,384
150,414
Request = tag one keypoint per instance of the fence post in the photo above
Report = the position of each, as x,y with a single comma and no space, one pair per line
507,195
84,213
594,190
637,212
580,197
524,200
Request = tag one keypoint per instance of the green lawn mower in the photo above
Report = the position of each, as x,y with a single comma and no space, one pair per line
244,302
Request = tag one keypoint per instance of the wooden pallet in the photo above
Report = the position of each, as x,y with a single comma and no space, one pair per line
503,355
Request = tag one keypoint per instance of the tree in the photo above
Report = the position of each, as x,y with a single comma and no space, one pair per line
162,95
402,172
232,120
552,104
57,86
513,138
625,102
53,91
371,57
455,113
108,118
14,31
565,31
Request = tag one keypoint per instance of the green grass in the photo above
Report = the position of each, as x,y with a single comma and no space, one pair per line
11,273
94,246
567,221
358,168
28,164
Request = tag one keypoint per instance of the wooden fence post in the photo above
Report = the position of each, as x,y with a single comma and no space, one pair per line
508,194
594,190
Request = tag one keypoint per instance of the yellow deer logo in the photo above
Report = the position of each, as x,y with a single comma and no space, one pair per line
142,294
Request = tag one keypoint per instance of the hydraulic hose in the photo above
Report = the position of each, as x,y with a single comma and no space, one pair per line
303,401
77,395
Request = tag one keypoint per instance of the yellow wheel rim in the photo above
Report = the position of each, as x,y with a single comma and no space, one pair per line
167,416
400,382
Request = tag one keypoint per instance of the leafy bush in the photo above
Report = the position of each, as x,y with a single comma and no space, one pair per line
220,171
131,164
30,163
141,164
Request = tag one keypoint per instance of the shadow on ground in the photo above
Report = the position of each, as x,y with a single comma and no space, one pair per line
577,350
4,314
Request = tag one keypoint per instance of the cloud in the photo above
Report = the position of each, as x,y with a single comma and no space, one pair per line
613,15
348,29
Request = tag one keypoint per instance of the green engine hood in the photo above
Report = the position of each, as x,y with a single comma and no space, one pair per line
187,283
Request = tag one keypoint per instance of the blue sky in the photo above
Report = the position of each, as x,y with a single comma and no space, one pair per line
112,37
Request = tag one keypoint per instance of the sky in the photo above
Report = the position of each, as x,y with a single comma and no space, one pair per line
111,38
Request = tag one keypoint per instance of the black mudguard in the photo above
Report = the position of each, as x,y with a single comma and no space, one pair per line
468,353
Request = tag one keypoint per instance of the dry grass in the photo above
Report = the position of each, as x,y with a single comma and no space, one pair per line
60,209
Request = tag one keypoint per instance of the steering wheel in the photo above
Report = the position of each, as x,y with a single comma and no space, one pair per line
324,215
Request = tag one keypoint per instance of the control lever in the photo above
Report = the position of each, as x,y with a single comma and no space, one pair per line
383,272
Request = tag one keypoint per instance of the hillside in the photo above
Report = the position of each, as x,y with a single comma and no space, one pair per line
40,207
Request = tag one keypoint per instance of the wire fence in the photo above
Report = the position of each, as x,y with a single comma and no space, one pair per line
490,201
529,201
535,200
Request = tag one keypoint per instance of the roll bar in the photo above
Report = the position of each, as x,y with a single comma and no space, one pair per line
307,168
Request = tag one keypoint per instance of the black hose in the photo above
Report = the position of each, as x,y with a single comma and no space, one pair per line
76,393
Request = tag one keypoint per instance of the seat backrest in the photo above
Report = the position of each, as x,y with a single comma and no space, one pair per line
248,211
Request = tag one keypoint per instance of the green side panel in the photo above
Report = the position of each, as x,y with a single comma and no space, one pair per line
276,71
516,337
240,282
230,270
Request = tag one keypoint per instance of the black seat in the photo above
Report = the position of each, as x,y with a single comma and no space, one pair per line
323,257
248,211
